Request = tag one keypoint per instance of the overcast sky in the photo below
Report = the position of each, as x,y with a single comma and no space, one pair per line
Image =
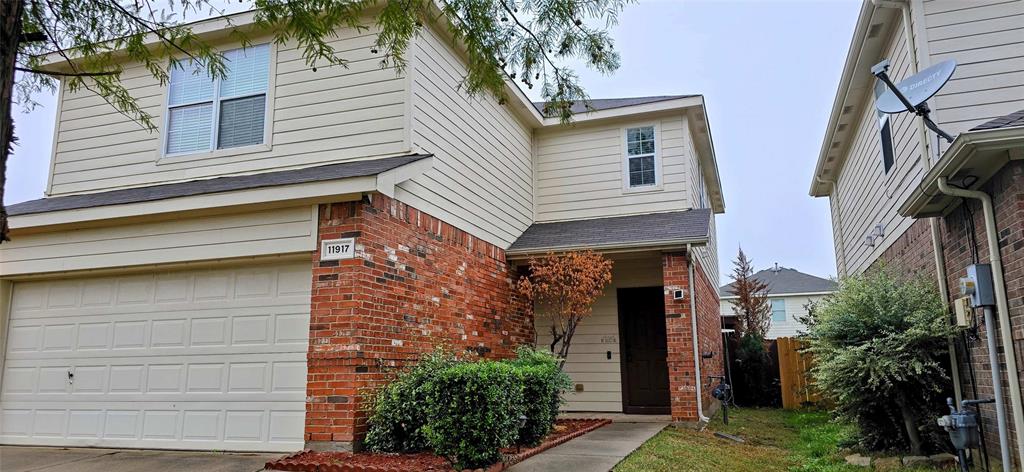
768,71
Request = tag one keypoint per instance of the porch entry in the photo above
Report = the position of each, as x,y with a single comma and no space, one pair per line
644,347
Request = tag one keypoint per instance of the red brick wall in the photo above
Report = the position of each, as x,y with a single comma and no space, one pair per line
416,282
682,381
912,254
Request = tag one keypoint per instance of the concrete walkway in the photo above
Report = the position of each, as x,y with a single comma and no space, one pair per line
597,451
52,459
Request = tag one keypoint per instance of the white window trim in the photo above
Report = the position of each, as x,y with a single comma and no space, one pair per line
659,183
162,157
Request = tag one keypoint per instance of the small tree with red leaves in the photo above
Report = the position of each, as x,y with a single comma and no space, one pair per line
563,288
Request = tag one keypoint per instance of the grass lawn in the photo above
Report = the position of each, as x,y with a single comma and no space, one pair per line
776,440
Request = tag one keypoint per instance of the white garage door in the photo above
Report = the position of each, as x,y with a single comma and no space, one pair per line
201,359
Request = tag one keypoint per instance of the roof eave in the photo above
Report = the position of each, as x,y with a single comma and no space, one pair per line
268,196
661,245
980,151
854,57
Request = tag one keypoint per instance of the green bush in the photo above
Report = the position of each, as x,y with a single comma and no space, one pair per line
399,414
543,385
473,412
880,346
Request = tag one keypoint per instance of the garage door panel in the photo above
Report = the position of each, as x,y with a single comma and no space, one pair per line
212,359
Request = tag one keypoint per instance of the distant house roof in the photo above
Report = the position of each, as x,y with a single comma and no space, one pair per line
606,103
215,185
783,281
1007,121
679,227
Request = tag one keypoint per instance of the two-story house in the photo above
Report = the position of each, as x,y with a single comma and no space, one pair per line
243,277
790,295
903,198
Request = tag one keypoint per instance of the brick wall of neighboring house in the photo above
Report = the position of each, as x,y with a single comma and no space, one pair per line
682,381
416,282
912,254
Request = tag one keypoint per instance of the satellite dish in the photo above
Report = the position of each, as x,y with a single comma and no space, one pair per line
917,88
913,92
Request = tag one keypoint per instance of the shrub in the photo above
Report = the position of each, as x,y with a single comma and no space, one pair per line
543,385
473,412
398,413
880,347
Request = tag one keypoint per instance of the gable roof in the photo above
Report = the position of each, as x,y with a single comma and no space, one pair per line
650,230
599,104
786,281
220,184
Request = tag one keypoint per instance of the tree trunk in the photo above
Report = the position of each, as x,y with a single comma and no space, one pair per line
10,16
910,425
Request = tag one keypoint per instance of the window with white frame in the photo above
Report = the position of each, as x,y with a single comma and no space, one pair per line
778,309
204,114
884,132
641,157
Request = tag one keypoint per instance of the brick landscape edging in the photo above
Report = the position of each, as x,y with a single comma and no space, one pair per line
292,462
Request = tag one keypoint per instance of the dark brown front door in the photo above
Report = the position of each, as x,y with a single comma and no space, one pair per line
644,350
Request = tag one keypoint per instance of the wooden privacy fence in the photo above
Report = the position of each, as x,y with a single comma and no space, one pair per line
795,374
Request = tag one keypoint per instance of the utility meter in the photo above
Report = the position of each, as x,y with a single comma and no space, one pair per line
978,285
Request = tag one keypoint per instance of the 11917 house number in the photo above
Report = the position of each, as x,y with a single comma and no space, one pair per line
337,249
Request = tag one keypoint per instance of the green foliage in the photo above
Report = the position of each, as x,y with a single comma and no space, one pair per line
543,385
473,411
467,411
533,42
880,346
398,413
754,372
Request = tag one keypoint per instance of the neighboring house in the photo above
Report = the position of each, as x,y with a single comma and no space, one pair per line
882,172
789,293
289,237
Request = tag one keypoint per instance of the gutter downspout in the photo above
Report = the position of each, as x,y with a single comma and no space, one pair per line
933,224
693,326
1005,328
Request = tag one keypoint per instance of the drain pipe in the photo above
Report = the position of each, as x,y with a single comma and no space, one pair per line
693,326
1005,328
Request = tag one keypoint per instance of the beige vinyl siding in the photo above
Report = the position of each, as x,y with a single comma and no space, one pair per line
482,180
588,363
331,115
579,170
796,307
169,240
986,37
707,255
868,195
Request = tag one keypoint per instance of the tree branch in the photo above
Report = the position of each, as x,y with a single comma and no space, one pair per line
33,37
64,74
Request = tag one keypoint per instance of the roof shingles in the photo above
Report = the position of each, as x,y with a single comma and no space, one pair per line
598,104
783,281
220,184
649,229
1007,121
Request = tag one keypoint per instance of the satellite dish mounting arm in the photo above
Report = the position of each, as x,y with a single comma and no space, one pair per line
880,71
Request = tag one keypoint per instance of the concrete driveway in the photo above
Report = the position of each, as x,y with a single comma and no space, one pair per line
48,459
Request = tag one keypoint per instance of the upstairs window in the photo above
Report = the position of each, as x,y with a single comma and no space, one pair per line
204,114
641,157
778,309
884,131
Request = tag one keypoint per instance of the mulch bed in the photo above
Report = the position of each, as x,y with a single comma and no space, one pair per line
312,461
